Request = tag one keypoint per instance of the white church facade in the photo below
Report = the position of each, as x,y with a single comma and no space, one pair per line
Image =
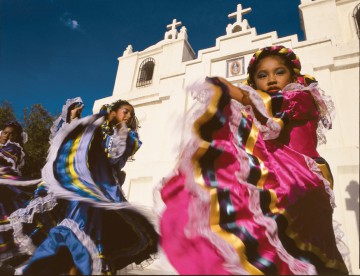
153,81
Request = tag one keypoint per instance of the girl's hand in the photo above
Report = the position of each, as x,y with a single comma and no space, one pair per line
76,112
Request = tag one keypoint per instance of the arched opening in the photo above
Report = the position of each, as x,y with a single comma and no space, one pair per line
146,72
236,29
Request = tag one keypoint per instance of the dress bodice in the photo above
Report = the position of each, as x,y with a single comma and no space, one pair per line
299,113
11,155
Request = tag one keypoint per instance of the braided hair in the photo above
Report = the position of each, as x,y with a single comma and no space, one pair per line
324,103
291,60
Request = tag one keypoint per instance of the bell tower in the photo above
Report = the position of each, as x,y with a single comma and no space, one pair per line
337,20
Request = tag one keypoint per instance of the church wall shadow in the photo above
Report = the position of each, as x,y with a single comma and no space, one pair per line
352,202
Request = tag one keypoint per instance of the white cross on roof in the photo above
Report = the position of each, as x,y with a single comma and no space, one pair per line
239,12
173,25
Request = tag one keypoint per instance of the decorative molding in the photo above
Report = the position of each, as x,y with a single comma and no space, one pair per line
235,67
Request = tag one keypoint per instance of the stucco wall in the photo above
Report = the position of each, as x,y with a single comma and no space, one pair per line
330,53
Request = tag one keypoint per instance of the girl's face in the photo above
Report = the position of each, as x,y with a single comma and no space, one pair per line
272,75
124,114
8,133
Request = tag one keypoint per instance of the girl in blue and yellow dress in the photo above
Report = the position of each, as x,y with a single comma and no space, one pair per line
15,189
33,223
97,230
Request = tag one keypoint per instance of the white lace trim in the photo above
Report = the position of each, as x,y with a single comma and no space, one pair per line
93,121
20,182
158,263
87,243
19,270
26,215
143,264
24,137
323,102
66,106
202,92
199,207
47,172
341,245
255,99
65,109
198,224
296,266
117,144
269,131
6,227
55,128
9,160
324,105
313,166
21,162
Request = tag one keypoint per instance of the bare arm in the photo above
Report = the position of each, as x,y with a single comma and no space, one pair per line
243,97
236,93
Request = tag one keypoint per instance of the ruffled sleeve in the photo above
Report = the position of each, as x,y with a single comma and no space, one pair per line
299,105
58,123
120,145
301,118
13,155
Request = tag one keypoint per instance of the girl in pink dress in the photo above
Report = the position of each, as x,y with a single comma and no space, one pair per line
251,194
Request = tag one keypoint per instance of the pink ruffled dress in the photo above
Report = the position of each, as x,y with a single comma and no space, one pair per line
251,198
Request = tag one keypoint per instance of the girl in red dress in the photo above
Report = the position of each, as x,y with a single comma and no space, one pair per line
251,194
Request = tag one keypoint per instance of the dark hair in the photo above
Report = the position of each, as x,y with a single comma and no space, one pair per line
116,105
134,123
254,66
290,59
18,131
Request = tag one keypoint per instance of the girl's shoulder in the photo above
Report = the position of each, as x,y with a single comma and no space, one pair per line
13,153
11,146
106,128
295,91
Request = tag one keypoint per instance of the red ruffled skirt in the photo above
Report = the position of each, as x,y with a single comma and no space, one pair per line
239,204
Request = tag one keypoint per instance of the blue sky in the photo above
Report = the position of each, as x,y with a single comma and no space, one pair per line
51,50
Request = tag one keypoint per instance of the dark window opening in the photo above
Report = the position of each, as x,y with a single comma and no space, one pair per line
236,29
146,72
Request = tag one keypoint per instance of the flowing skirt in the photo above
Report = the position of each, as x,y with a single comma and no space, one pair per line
239,204
15,192
82,220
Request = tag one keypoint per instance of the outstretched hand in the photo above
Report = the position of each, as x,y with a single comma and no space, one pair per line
76,112
243,97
